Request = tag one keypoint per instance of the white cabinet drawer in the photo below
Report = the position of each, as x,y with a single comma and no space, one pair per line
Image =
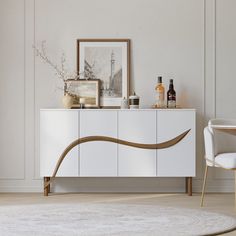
140,127
57,130
98,158
178,160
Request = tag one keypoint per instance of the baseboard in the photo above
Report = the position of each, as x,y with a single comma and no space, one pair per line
124,185
215,186
21,189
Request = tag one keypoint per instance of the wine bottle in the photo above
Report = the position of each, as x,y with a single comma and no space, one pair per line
171,96
160,93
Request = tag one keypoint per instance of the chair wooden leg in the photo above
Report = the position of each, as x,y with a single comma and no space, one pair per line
204,185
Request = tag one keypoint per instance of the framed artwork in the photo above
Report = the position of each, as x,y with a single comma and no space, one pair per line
109,61
86,92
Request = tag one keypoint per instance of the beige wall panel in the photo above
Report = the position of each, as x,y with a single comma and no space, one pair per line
12,89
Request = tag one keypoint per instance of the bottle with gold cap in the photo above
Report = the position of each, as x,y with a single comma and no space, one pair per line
160,93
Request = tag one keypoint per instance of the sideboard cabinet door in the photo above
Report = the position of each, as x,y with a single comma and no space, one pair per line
178,160
58,129
140,127
98,158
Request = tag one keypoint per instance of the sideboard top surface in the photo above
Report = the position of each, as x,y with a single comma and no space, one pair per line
118,109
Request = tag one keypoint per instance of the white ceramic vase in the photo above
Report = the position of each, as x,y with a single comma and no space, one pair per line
67,101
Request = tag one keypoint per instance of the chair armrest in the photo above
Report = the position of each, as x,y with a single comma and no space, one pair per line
209,145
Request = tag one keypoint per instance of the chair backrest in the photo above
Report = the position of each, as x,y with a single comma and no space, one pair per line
219,141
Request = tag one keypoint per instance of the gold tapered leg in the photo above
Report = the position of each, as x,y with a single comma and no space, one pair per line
235,190
204,185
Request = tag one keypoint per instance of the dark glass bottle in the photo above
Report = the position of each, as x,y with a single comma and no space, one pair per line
171,96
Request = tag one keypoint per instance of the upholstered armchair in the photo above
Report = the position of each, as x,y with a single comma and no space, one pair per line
220,147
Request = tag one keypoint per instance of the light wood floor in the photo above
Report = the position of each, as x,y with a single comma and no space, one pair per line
223,203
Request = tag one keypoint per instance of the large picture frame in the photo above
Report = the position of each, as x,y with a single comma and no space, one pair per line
86,92
109,61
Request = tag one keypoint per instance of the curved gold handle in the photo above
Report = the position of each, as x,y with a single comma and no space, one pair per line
163,145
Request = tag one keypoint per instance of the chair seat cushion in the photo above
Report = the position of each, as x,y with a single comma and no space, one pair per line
226,160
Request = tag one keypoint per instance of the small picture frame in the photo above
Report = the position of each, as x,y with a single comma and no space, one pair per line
85,92
109,61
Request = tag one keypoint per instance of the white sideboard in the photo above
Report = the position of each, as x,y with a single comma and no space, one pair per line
60,127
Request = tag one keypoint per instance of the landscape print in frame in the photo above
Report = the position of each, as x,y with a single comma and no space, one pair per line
88,90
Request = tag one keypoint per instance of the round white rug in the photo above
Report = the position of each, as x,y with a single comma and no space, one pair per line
109,219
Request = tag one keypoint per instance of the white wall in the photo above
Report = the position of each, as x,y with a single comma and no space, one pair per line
191,41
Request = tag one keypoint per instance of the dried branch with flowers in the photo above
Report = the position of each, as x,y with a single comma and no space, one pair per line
61,70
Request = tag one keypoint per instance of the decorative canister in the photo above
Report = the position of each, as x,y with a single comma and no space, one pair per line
134,101
124,103
82,103
67,101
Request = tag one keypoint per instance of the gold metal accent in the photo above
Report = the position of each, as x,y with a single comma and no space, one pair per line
214,164
235,189
204,185
163,145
